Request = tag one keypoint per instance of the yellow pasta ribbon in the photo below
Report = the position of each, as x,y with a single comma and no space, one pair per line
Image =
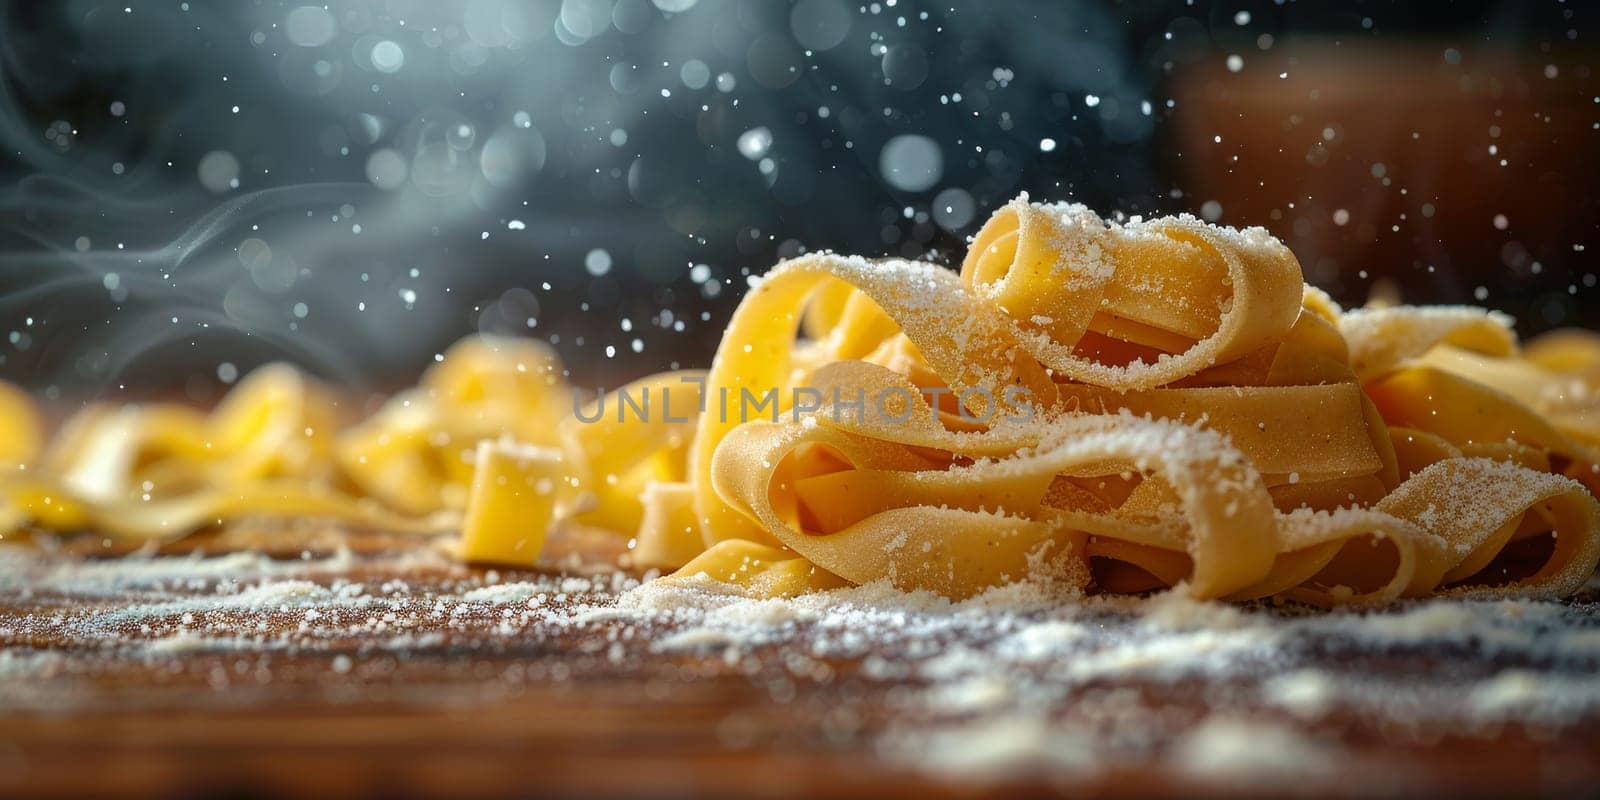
970,345
21,431
759,570
1168,320
163,471
415,454
669,534
1122,407
621,444
515,491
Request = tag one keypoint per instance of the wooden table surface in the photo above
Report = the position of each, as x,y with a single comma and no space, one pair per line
131,679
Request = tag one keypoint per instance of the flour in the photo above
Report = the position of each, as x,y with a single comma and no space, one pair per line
1227,748
1029,677
987,667
519,592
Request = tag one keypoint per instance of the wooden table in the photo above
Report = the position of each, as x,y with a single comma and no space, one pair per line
151,678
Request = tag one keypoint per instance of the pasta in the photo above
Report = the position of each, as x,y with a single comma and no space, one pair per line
1160,404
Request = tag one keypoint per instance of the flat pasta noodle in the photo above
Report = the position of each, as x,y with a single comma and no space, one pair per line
970,345
1382,338
161,472
669,533
54,507
1282,380
1477,507
1155,405
868,509
1181,293
1473,391
416,453
21,430
760,569
639,438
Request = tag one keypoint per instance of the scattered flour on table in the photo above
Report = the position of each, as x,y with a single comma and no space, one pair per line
1027,677
993,674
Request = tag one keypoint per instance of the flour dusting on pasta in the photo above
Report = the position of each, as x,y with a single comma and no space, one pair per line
1112,408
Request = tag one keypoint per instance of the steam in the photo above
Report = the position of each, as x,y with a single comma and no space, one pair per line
175,294
353,186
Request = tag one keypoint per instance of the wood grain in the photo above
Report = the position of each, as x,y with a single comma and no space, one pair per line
458,708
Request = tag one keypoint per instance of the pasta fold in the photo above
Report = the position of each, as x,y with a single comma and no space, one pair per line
1158,404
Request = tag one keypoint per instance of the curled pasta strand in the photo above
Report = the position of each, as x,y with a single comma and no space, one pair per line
964,528
1382,338
966,343
1134,407
1192,295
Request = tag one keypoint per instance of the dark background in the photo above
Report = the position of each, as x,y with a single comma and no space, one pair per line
193,189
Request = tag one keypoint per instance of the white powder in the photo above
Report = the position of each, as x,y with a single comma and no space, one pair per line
1306,693
1520,694
18,663
1228,749
975,693
1030,677
186,641
21,569
519,592
990,664
1171,656
1043,641
1000,747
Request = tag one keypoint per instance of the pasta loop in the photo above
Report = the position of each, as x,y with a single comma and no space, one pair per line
1148,406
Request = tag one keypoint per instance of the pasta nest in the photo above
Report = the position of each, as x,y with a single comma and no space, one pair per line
1116,407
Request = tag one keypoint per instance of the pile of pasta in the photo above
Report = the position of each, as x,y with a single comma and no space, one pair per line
1119,408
